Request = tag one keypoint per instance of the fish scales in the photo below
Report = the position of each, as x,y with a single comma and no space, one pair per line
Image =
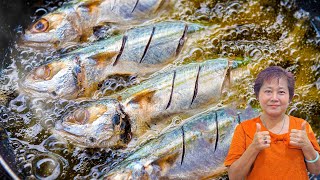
210,81
146,108
161,157
162,46
86,67
122,10
75,21
165,39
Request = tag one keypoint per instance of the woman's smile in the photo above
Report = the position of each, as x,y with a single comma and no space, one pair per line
274,97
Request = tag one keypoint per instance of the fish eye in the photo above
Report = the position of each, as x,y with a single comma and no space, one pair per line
116,119
42,72
54,93
80,116
40,26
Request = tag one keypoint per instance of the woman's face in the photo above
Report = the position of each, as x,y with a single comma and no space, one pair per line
274,97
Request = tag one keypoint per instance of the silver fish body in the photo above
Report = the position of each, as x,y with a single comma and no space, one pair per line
150,44
180,88
140,51
195,149
152,104
75,20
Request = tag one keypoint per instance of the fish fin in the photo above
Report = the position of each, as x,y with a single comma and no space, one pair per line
104,57
85,88
91,5
227,80
84,37
79,73
142,98
167,161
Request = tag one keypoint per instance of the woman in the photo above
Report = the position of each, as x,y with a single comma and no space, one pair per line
273,145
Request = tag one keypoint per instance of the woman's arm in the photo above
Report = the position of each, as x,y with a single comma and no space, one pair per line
241,167
311,154
300,138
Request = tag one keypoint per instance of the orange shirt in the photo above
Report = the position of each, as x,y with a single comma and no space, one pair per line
281,160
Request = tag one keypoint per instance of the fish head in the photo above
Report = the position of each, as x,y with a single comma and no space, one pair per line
55,29
58,79
102,123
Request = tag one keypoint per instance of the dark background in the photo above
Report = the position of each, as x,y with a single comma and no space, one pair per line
13,14
16,15
312,6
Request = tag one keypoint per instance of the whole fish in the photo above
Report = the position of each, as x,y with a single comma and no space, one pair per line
195,149
136,111
140,51
76,20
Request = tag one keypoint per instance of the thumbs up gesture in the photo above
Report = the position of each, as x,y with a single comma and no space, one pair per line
261,139
299,137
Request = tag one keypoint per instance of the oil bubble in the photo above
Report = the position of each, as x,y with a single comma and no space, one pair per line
318,84
46,167
95,175
177,120
20,159
27,167
11,121
30,156
4,117
19,104
255,54
40,12
54,144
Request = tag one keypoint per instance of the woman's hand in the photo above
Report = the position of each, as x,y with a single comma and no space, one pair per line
261,139
241,167
299,137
